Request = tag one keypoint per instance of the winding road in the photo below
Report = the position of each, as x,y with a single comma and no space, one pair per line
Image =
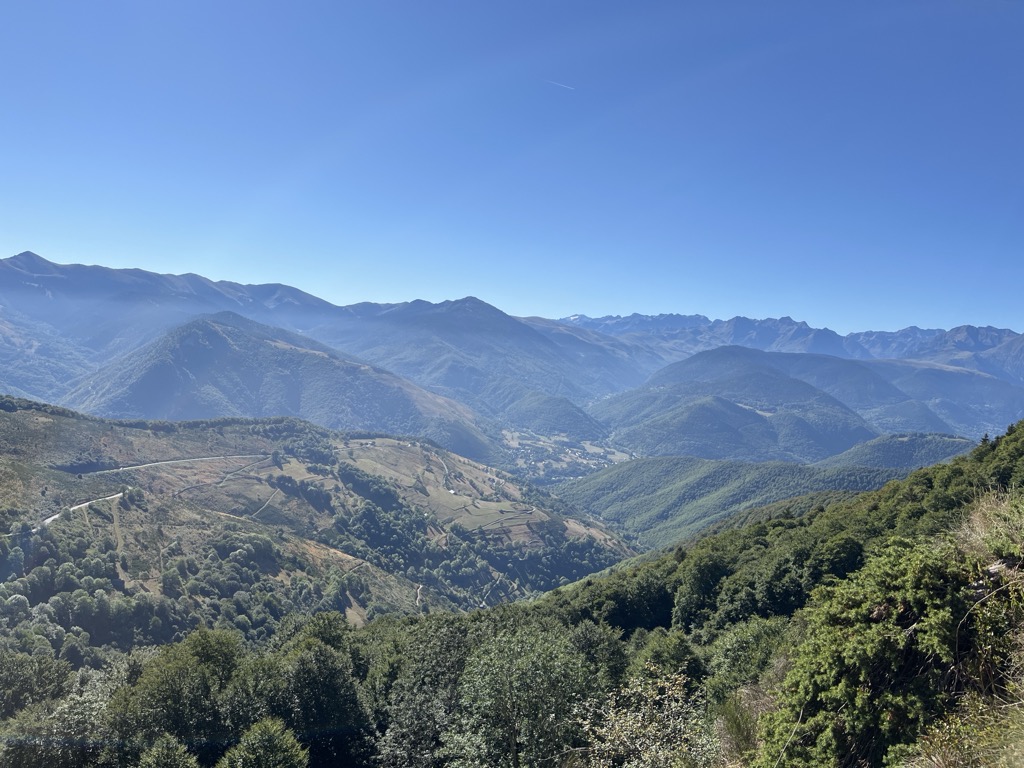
260,456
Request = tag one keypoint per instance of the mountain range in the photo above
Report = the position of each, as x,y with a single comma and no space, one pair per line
997,351
225,365
134,344
741,403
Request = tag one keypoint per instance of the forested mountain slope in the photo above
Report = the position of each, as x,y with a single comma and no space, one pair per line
905,604
665,499
907,451
729,403
882,630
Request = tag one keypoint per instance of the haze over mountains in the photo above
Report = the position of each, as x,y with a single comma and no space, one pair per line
225,365
130,343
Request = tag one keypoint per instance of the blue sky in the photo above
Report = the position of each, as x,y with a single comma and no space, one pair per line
855,165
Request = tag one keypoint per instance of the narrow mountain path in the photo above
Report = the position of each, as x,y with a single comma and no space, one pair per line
85,504
447,473
233,472
119,541
260,456
276,491
118,536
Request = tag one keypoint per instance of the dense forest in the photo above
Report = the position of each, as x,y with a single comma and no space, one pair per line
879,630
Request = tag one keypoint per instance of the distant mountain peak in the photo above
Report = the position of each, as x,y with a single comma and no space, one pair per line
27,261
471,303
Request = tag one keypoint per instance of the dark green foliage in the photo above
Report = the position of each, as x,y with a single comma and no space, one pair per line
394,537
700,578
258,689
268,744
323,708
880,659
423,699
603,649
26,679
178,694
517,700
772,566
311,492
740,655
13,404
167,752
666,652
373,489
628,600
207,694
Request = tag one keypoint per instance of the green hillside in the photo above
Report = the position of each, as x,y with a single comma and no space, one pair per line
909,595
882,630
547,415
665,499
238,522
901,452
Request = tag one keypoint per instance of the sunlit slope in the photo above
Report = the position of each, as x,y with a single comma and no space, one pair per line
662,500
366,523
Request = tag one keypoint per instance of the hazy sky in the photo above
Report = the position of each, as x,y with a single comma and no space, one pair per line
858,165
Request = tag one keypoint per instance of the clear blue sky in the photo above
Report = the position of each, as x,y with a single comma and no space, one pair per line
857,165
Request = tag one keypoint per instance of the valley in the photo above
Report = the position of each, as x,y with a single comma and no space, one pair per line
556,404
244,501
484,384
126,611
512,385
